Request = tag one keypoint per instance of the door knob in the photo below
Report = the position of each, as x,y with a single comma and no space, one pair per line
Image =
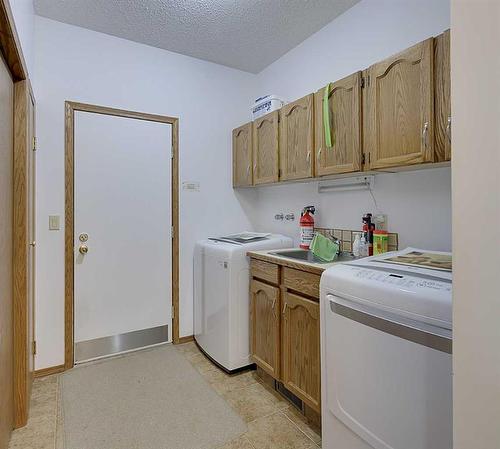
84,249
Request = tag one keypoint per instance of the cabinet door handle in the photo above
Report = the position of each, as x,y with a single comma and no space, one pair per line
284,308
308,157
273,307
424,134
448,129
255,167
319,154
248,170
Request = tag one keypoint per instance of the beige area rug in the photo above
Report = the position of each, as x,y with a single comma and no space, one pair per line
152,399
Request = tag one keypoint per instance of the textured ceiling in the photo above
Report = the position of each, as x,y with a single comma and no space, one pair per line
244,34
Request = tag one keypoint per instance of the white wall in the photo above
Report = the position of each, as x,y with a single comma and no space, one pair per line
368,32
24,18
76,64
475,69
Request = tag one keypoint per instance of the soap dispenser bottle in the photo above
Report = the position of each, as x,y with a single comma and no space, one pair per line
356,246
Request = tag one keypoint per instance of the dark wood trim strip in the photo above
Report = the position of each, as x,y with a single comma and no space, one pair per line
20,254
10,46
70,108
68,237
185,339
49,371
175,224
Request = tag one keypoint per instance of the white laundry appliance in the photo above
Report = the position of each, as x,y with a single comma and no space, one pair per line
221,295
386,364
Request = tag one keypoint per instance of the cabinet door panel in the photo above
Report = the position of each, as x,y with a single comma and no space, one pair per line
442,96
297,139
265,148
242,156
400,125
344,104
265,325
301,349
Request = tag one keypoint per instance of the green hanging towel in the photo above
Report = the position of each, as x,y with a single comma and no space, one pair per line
329,142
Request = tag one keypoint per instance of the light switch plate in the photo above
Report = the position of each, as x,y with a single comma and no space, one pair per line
54,223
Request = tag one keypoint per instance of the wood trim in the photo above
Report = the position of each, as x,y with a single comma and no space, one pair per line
10,46
70,108
175,223
23,145
185,339
49,371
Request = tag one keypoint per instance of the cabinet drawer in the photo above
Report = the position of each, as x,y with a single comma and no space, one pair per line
301,281
264,270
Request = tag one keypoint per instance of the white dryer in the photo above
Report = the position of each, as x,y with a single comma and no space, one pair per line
386,364
221,295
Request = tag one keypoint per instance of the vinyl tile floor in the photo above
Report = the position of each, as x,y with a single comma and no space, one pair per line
273,423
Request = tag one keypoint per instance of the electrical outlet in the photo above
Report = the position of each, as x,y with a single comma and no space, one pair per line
380,221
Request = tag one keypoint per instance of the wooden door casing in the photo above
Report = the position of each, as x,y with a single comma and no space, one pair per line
442,96
6,253
242,156
24,249
345,110
301,373
265,326
297,139
399,121
265,149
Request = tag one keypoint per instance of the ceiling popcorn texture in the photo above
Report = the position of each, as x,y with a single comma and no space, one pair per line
244,34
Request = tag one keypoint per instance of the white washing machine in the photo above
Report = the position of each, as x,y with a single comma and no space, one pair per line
386,364
221,295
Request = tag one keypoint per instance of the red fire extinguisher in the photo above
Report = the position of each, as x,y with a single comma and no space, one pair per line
307,226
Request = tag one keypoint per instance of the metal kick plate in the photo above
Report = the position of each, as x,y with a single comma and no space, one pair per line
100,347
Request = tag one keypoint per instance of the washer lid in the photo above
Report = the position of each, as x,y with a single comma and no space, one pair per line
418,294
242,238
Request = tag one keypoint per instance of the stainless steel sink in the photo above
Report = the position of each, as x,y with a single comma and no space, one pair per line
308,256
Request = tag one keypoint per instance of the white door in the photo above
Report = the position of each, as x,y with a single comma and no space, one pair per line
122,207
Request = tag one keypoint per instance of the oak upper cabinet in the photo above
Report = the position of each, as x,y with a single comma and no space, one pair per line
442,97
344,106
265,327
242,156
265,149
297,139
301,349
399,120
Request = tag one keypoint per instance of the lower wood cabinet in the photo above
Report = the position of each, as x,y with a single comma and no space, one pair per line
285,329
265,327
301,348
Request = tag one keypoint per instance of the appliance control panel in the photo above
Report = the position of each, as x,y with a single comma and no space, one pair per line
401,280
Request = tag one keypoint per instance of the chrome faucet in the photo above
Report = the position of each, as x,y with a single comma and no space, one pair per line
336,241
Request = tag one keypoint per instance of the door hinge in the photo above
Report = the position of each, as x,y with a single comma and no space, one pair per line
172,152
172,232
365,81
34,348
34,144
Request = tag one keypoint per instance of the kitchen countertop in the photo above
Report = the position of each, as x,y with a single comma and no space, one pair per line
311,267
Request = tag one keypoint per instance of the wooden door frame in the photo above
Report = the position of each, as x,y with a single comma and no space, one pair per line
11,52
23,94
70,109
